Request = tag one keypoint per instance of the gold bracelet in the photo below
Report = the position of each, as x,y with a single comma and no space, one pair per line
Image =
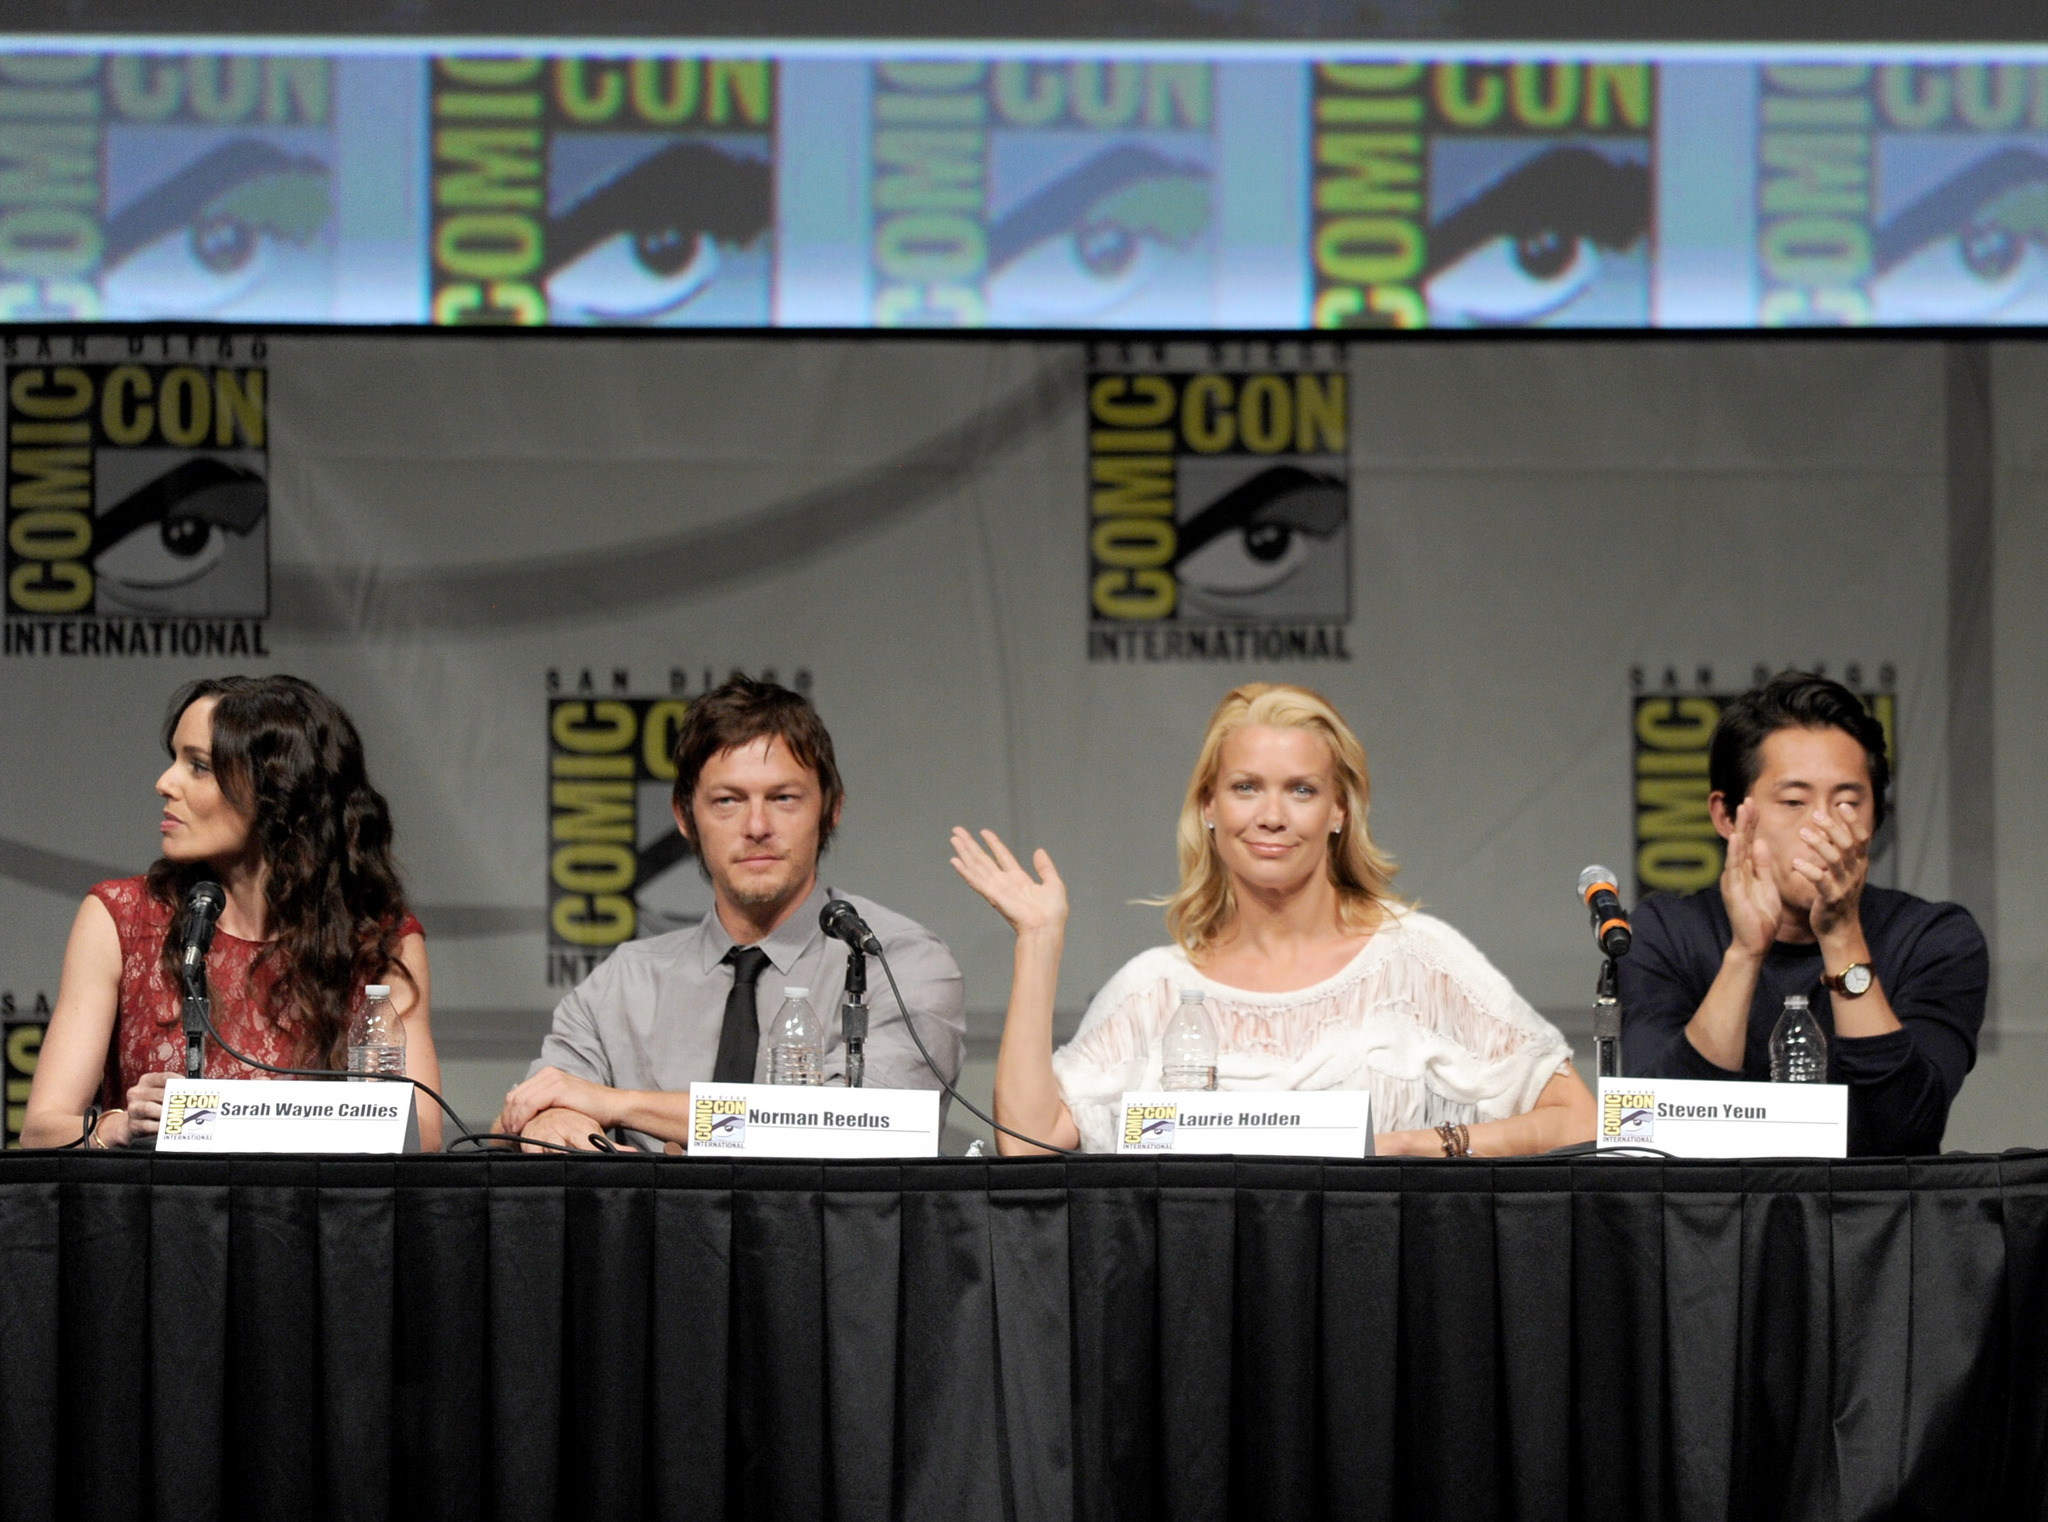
97,1144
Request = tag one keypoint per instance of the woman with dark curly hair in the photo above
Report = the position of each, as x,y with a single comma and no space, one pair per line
266,794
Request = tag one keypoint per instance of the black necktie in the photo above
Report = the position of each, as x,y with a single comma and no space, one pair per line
740,1037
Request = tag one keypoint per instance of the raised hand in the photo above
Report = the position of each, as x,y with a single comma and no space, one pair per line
1029,903
1749,892
1836,862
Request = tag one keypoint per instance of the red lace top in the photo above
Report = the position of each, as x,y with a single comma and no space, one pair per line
149,1034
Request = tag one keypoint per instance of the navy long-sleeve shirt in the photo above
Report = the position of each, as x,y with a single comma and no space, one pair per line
1930,959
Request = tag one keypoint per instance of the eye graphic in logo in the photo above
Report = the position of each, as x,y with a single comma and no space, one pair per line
213,232
1093,235
1248,553
1628,1117
1151,1129
642,244
199,1124
1974,248
184,542
1536,239
728,1125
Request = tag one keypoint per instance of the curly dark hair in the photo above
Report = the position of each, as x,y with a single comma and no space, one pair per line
290,760
1792,700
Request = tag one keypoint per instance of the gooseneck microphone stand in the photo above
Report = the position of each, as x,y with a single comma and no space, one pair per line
1607,1022
853,1019
198,1016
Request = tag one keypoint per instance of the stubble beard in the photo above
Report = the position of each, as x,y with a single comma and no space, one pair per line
763,896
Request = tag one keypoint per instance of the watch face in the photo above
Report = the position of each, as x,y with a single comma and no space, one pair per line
1856,980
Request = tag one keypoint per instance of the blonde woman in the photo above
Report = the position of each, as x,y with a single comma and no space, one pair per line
1316,975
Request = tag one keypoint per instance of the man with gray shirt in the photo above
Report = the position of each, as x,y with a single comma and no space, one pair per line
757,794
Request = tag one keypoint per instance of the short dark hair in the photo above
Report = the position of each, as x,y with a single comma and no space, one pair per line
1792,700
741,709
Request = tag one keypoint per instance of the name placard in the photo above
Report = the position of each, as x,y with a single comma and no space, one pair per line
1322,1123
259,1115
773,1120
1695,1117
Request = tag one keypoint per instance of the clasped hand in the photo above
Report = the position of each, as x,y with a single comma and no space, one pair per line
583,1106
1835,859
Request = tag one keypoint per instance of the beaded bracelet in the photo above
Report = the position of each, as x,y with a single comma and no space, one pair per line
1457,1139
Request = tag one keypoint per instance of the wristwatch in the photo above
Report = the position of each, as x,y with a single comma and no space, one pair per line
1852,982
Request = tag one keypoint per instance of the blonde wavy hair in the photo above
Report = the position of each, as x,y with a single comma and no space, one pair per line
1205,904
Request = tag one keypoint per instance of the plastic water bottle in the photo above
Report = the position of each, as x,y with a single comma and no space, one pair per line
796,1042
376,1036
1799,1052
1189,1057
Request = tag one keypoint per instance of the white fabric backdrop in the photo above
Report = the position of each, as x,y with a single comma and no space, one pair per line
907,521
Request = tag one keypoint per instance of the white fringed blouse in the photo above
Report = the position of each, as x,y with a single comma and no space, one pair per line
1419,1018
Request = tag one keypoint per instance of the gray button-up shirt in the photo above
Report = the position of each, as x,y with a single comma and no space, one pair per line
649,1016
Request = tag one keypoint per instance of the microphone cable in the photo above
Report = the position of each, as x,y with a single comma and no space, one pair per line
961,1099
468,1137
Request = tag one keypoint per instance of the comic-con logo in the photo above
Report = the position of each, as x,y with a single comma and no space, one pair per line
137,495
1482,195
613,191
718,1123
1678,850
1219,507
1151,1127
147,186
1628,1117
612,838
1042,193
192,1116
1902,194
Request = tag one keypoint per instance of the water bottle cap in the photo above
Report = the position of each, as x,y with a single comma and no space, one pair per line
1795,1001
1192,996
791,991
377,991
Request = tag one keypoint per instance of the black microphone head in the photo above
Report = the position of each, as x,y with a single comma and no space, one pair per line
205,902
203,905
834,918
842,921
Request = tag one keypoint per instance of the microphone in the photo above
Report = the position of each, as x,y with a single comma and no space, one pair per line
1610,920
202,914
842,922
